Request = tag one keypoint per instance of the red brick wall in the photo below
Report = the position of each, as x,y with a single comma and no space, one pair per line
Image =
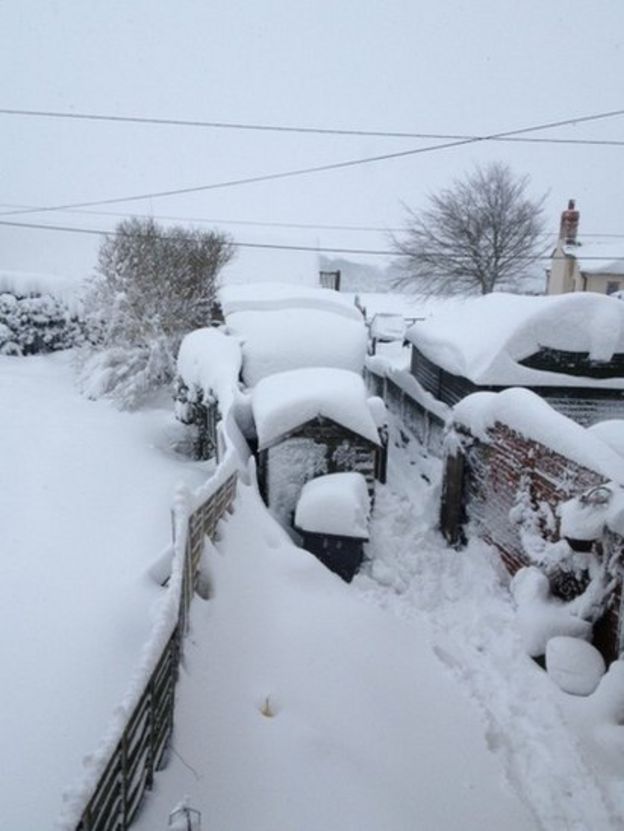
494,477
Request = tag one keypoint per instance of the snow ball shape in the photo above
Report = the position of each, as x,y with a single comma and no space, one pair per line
574,665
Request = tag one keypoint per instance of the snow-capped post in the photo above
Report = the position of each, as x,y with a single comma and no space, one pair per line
452,499
184,818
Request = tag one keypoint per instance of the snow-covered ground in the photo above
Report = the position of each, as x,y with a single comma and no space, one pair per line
84,511
404,700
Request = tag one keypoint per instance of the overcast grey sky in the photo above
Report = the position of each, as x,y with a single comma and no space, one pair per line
447,66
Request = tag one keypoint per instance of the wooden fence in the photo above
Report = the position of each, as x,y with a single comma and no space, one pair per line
422,423
142,747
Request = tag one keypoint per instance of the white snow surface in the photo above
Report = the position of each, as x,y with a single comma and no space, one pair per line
337,503
211,360
84,511
276,341
273,296
598,256
484,338
574,665
531,416
611,432
287,400
32,283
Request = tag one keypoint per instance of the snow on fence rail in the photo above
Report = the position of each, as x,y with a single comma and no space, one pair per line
123,767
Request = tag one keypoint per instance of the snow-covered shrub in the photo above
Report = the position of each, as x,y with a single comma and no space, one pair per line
34,323
152,286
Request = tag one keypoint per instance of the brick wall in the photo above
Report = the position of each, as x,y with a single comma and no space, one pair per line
494,474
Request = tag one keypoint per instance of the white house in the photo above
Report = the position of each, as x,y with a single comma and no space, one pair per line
584,266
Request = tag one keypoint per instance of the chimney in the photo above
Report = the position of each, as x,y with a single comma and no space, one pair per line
569,224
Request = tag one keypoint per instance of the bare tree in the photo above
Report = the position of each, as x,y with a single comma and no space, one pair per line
152,285
482,232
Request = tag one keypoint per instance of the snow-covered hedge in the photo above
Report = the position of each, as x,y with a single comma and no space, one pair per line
37,323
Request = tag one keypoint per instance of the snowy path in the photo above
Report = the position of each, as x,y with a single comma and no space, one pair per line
366,730
84,511
461,600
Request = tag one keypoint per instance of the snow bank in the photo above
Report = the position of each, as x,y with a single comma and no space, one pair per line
574,665
334,504
276,341
211,361
528,414
287,400
540,616
275,296
484,339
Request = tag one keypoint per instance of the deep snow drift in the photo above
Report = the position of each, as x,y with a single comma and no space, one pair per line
85,510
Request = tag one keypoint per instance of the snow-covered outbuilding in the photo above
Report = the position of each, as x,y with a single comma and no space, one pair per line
293,338
568,349
311,422
246,297
208,369
332,518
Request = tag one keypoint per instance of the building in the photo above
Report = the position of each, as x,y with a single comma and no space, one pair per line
567,349
582,265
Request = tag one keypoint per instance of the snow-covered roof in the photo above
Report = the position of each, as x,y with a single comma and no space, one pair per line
484,338
210,360
387,327
284,401
528,414
276,341
337,504
598,257
271,296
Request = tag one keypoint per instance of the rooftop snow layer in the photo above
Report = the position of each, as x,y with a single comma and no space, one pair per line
598,257
484,338
210,360
276,341
289,399
528,414
334,504
273,296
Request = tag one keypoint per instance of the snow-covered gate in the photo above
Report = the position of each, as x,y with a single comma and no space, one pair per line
141,749
420,421
483,482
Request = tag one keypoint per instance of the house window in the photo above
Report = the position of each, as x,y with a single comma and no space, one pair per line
612,286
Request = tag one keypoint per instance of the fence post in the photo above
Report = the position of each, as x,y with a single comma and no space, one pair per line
451,504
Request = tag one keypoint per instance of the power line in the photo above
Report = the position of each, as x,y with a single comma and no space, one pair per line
311,226
317,168
265,245
283,128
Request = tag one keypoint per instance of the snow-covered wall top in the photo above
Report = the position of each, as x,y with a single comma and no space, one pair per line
287,400
528,414
276,341
272,296
27,284
211,360
485,337
334,504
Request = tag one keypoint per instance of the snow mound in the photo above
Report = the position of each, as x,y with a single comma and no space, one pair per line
539,615
531,416
211,361
275,296
287,400
276,341
485,338
337,504
574,665
611,432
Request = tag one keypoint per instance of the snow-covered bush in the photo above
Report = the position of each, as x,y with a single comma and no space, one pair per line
152,286
35,323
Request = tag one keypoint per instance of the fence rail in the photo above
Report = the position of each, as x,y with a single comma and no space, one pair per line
142,748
